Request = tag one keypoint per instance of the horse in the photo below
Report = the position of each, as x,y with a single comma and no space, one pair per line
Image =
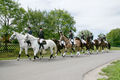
22,44
89,45
68,45
97,44
78,45
105,44
59,45
49,44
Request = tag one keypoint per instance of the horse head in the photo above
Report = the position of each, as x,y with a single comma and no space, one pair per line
13,36
61,37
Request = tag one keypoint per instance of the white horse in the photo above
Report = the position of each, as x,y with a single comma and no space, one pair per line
22,44
36,47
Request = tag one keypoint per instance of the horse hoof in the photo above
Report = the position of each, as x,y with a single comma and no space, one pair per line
29,58
18,59
63,56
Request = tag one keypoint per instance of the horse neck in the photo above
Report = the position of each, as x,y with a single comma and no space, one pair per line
66,40
32,38
19,37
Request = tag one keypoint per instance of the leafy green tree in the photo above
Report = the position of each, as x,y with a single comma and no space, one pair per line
8,11
101,35
20,20
52,22
85,32
35,20
114,37
62,21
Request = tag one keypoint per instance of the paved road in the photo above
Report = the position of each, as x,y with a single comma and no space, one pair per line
57,69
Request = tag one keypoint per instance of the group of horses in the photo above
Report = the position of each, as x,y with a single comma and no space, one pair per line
55,46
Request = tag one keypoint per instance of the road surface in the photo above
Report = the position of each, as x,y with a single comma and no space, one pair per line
56,69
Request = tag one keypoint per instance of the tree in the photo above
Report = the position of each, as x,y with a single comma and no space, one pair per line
35,20
20,20
8,11
101,35
52,22
62,20
85,32
114,37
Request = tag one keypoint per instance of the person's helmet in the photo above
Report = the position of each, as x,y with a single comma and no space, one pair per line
29,27
40,27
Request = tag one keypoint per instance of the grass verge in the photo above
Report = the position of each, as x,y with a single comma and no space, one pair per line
115,48
112,71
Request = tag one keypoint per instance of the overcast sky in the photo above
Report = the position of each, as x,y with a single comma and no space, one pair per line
98,16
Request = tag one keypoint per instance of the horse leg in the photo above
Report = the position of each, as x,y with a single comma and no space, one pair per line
102,49
51,50
35,53
63,55
21,49
88,51
97,49
73,50
41,54
78,53
26,52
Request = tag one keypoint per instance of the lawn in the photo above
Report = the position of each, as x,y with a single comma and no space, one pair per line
115,48
112,71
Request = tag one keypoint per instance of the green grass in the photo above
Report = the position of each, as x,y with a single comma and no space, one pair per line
112,71
115,48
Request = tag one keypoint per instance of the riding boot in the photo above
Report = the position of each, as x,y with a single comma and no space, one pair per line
42,46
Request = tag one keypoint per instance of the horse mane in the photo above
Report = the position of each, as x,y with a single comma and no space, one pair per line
32,36
77,38
20,34
56,41
65,36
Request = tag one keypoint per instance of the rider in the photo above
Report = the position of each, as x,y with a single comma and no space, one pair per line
29,32
104,37
62,43
71,37
83,38
91,37
41,38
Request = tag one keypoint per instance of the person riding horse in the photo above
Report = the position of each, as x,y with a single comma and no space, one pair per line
83,38
41,38
71,37
104,38
91,38
62,43
29,32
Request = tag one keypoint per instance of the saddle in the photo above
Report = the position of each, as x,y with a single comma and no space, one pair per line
29,43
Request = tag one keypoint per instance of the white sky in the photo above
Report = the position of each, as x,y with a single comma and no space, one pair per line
98,16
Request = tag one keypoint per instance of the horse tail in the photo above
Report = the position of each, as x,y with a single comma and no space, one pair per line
55,48
109,46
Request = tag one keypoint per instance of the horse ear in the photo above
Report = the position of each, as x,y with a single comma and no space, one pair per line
21,32
13,31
